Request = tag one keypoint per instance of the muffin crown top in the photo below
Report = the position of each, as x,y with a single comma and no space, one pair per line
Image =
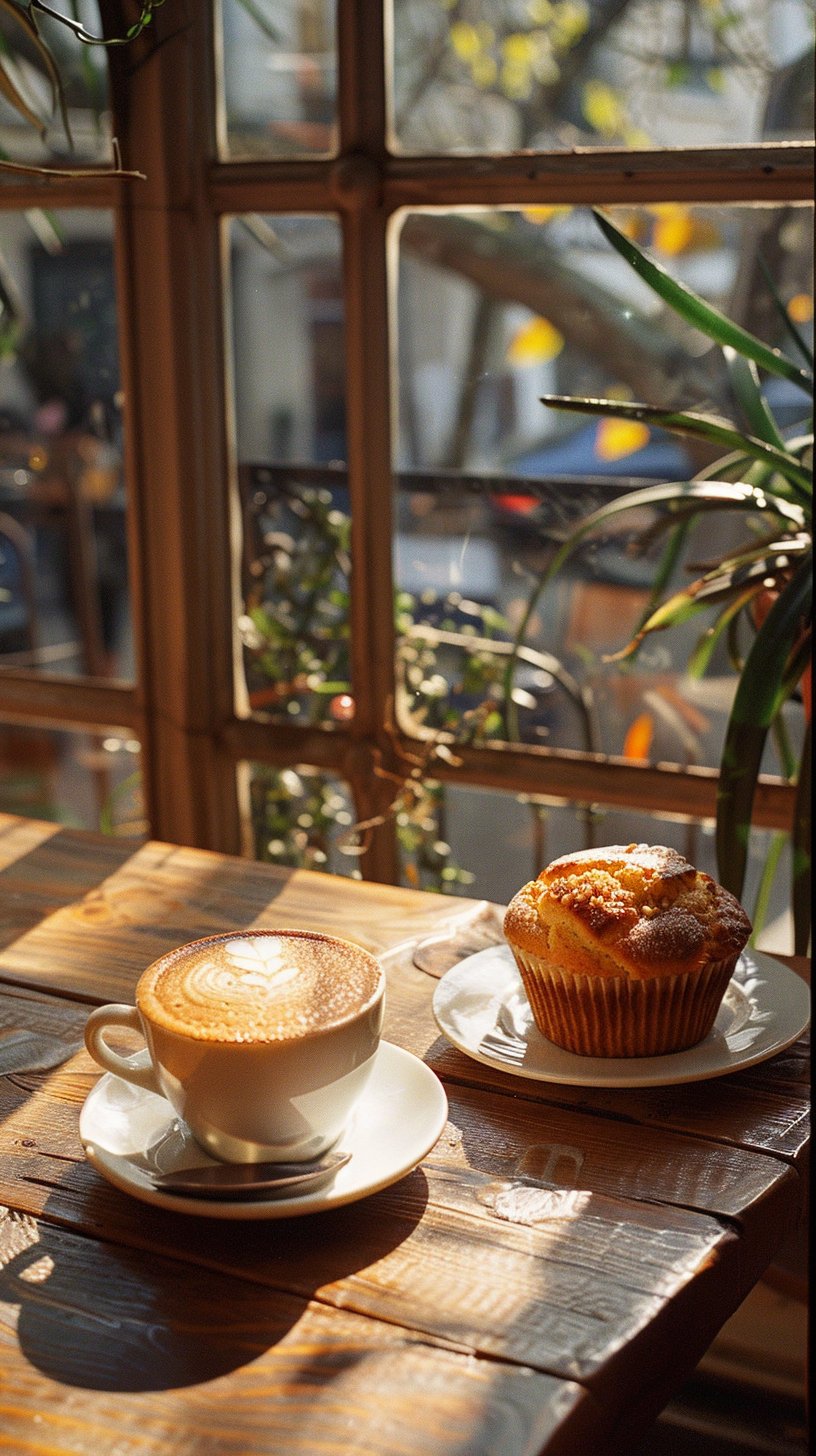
643,904
653,868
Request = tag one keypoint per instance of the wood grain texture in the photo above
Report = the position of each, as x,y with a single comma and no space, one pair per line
20,836
593,1239
508,1138
167,1358
568,1281
757,1109
87,918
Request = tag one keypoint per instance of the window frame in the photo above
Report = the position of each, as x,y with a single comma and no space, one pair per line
183,518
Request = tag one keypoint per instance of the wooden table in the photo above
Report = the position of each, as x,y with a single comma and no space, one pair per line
544,1281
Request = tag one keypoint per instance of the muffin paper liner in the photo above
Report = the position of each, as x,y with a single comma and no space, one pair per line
615,1016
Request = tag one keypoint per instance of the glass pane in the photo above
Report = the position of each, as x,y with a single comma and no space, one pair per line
289,371
487,843
279,78
32,121
496,309
296,816
64,604
499,76
84,780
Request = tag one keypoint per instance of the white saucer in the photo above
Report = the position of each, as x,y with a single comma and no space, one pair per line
765,1008
129,1134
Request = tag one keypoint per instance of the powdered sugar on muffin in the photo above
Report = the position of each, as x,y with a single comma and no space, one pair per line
625,950
637,910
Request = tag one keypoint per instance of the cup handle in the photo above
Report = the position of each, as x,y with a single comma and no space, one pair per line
138,1068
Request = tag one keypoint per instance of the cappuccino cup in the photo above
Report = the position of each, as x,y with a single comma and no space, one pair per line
262,1043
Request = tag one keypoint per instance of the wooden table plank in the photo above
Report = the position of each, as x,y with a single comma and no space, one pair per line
507,1137
594,1239
165,1358
19,837
43,866
111,917
749,1110
568,1279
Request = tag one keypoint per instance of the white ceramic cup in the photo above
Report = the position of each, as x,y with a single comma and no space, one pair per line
250,1101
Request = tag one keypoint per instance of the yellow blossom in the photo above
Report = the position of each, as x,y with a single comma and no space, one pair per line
465,40
536,342
517,49
614,439
602,108
800,308
674,230
542,215
570,21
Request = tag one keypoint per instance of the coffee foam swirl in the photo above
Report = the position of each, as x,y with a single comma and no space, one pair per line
259,988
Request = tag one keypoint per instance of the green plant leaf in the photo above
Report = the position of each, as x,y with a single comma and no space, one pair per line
668,561
701,427
107,823
766,879
728,467
14,98
697,665
715,586
716,495
734,654
705,494
27,22
264,24
790,327
799,445
701,315
766,680
801,852
744,377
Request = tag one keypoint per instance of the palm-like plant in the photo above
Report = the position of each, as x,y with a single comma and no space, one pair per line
770,479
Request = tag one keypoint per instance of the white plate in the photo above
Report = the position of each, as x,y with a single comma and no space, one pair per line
129,1135
765,1008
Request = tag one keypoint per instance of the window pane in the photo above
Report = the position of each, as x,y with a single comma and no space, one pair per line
83,73
296,816
279,78
498,76
64,604
487,843
85,780
289,371
496,309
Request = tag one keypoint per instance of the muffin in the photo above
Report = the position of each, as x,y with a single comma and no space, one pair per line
625,951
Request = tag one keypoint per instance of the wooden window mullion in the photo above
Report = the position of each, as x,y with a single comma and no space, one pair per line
355,186
171,310
176,454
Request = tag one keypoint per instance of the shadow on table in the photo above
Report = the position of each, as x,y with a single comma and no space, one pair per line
117,909
108,1317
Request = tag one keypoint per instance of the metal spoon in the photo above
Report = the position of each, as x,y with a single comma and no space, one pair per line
246,1180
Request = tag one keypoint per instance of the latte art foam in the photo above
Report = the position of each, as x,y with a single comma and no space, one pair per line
259,988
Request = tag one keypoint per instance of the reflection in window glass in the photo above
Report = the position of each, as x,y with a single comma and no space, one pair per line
492,842
30,104
279,78
297,816
63,563
496,309
290,411
496,76
85,780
